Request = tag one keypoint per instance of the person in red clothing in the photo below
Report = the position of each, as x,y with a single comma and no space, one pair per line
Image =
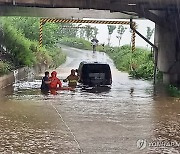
54,81
56,84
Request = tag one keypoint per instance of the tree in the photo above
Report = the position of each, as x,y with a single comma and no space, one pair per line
82,33
95,32
149,33
121,29
78,30
111,29
65,31
88,32
29,27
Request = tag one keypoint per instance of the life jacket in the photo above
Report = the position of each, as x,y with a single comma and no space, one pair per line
72,80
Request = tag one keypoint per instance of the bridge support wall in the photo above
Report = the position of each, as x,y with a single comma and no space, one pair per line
168,43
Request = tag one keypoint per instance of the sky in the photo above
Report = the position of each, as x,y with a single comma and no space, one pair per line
126,38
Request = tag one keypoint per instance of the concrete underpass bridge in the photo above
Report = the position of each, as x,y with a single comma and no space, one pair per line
164,13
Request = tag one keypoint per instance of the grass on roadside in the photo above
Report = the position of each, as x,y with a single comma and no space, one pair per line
173,91
76,43
58,57
138,64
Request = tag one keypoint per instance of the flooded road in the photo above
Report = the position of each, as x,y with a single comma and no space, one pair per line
95,121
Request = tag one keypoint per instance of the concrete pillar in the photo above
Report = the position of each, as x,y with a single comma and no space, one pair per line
170,78
168,43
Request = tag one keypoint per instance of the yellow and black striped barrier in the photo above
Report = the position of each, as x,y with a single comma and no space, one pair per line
44,20
133,40
77,27
41,32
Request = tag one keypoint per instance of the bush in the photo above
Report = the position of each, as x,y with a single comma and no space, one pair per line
58,57
143,71
18,46
173,91
139,64
4,68
76,42
26,52
29,27
43,57
22,46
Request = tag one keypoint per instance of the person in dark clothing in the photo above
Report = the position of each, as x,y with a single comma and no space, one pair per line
94,42
45,83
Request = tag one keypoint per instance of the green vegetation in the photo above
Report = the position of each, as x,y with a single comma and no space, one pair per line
139,64
58,57
18,46
4,67
173,91
76,42
111,29
121,29
20,37
29,27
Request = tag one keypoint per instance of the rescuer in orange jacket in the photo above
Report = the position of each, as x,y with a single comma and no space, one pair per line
56,84
54,81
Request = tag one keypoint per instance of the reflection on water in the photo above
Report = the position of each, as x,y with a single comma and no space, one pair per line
102,119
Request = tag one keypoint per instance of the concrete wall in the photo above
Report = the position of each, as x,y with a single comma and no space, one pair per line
6,80
22,73
9,79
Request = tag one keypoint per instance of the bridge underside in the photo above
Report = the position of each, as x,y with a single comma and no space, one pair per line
86,8
68,13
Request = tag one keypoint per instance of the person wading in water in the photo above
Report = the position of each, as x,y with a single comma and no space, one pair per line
45,83
72,79
56,84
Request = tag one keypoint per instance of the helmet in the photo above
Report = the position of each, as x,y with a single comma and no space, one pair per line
73,71
54,73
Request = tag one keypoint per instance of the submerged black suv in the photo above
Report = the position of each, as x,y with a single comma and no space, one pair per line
94,74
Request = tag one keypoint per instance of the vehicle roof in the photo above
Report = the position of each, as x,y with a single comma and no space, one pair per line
85,62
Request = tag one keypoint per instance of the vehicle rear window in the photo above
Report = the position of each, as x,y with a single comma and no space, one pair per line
88,69
94,68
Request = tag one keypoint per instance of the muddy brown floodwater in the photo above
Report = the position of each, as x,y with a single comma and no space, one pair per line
92,121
